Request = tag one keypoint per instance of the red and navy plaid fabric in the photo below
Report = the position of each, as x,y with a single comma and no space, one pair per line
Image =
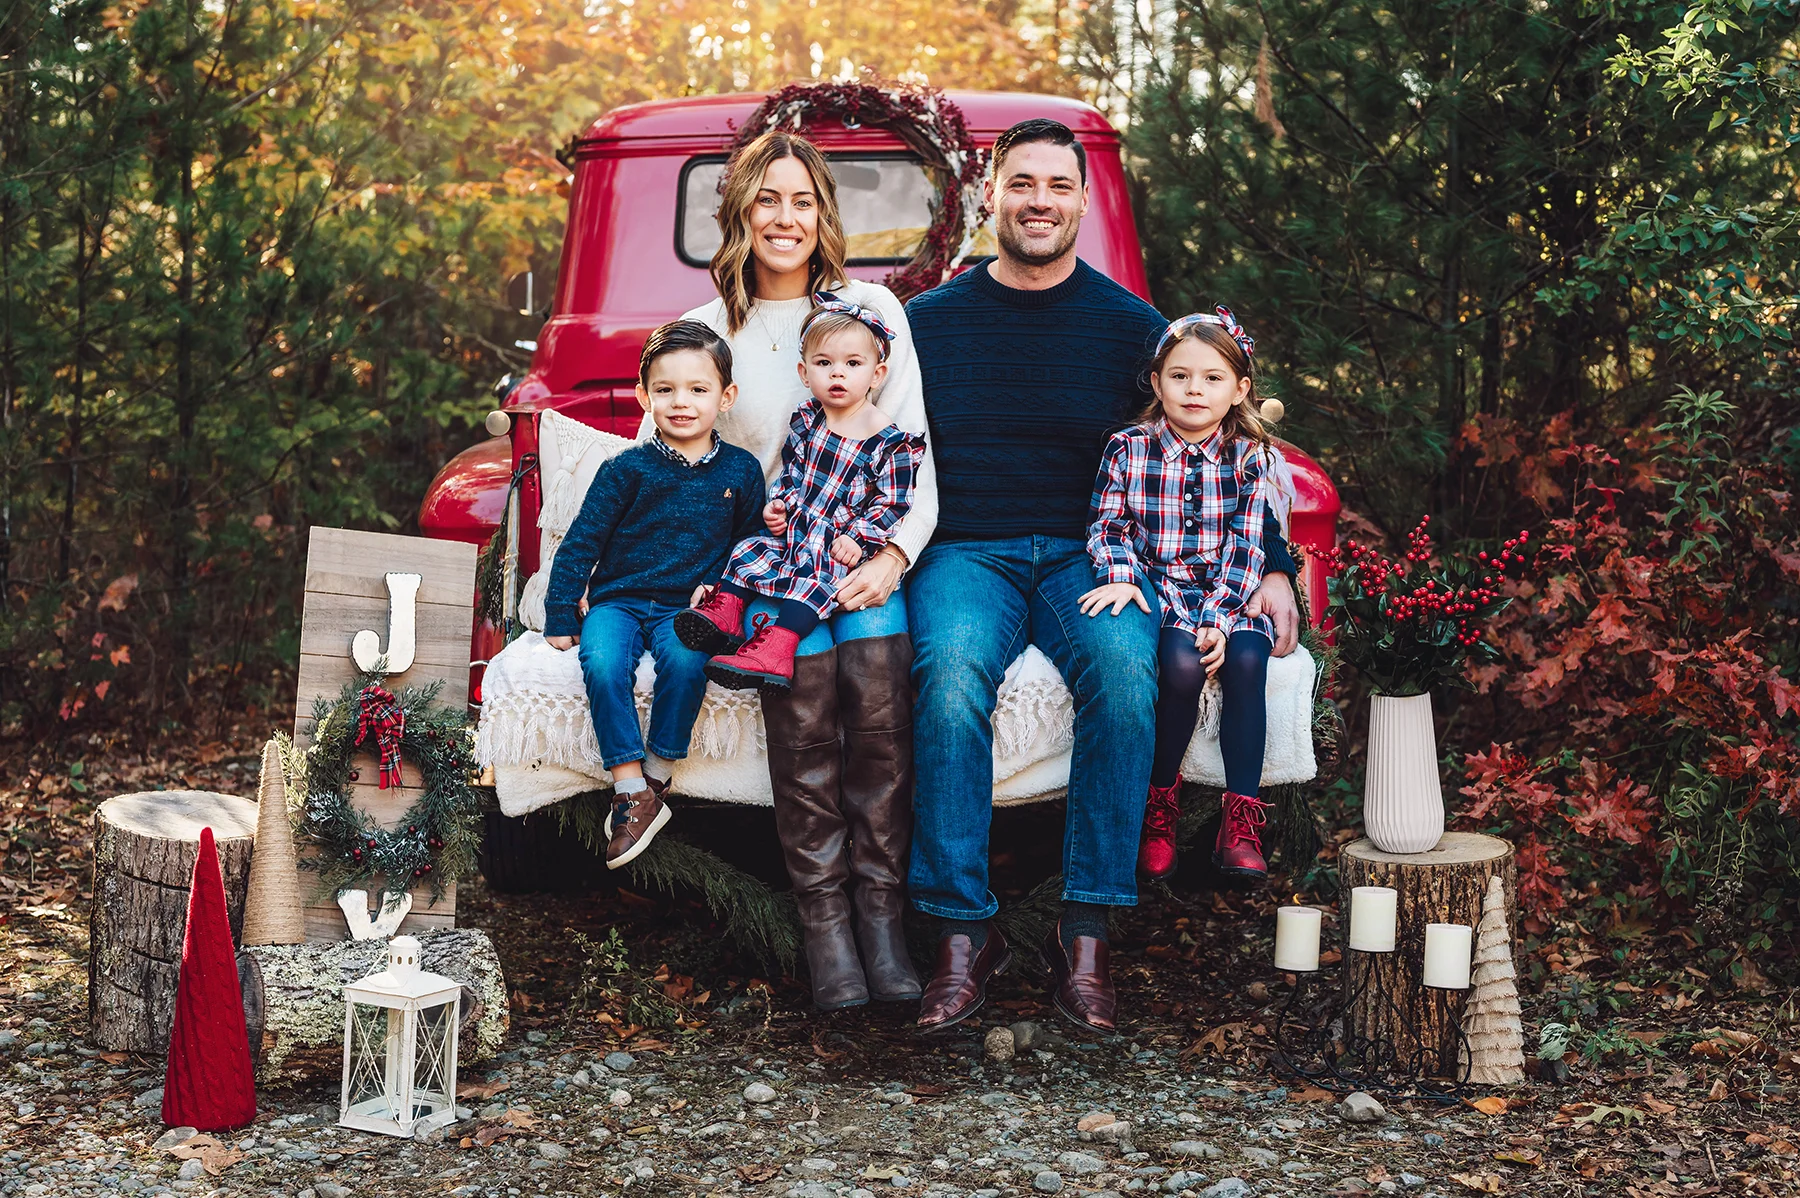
1186,517
831,486
381,716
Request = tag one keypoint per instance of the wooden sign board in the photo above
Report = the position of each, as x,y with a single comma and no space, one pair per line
347,593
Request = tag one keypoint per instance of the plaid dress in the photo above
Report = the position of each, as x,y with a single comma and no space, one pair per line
1188,518
832,486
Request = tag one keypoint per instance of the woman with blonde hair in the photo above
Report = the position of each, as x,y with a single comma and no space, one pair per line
840,740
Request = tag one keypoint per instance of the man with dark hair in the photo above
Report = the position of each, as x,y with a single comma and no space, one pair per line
1030,361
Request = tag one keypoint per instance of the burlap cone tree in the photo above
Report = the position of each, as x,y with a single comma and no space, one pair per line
1496,1051
272,908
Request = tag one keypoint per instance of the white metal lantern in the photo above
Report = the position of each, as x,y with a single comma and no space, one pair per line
400,1046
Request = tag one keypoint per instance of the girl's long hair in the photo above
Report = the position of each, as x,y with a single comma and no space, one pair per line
1244,419
734,265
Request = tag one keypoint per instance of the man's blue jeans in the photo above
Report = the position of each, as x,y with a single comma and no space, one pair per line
975,605
613,636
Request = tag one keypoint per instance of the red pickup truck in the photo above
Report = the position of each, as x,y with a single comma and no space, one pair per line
640,234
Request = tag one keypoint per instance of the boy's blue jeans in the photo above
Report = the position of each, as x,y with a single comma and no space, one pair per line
975,605
613,637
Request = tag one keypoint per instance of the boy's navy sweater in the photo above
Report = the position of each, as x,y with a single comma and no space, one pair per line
1022,390
653,528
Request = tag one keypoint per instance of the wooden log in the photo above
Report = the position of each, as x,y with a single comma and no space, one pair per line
1386,996
294,1004
144,850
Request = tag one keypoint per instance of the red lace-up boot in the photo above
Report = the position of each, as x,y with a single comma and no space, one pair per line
716,626
766,661
1156,856
1238,851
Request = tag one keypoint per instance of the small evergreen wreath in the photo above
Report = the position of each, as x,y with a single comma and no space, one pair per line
436,839
931,126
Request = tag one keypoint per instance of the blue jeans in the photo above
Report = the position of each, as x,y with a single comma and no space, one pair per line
886,620
975,606
613,636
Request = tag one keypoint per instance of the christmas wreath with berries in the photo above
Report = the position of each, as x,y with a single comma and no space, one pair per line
931,126
436,840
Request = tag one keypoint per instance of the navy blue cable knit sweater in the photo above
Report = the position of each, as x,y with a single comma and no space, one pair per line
1022,389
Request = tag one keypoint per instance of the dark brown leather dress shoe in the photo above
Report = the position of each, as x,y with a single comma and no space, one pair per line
958,984
1082,985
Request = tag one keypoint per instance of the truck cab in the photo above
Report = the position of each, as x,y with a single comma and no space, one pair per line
640,233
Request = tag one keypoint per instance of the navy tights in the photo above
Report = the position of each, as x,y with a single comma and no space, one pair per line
1243,723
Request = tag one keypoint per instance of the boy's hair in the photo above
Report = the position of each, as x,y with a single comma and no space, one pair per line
1244,419
678,335
823,322
1039,129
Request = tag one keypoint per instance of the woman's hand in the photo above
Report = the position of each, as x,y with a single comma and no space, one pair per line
775,516
1115,595
870,584
1211,643
562,642
846,552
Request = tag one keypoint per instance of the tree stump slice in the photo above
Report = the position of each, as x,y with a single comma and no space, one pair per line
294,1001
144,850
1445,885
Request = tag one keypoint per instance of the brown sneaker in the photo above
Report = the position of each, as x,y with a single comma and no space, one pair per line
634,822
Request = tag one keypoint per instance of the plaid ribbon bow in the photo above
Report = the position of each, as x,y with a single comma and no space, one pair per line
825,301
1224,319
379,712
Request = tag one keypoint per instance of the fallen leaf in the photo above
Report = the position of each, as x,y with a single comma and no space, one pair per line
1601,1113
115,1058
493,1133
1588,1165
1658,1106
480,1089
928,1090
1719,1092
1310,1094
523,1120
756,1174
1481,1183
879,1173
1215,1040
213,1156
1493,1104
1521,1156
1782,1148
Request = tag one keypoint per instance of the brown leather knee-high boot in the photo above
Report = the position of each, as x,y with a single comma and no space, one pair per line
875,704
806,768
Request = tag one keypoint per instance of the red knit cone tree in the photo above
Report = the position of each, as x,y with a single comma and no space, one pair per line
209,1084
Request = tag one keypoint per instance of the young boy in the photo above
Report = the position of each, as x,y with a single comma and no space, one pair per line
659,519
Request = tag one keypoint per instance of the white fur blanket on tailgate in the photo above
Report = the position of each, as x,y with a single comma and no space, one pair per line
536,734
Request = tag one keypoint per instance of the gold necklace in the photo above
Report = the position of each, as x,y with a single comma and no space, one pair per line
774,343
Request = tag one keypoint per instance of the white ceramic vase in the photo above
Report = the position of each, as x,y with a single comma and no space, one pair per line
1403,799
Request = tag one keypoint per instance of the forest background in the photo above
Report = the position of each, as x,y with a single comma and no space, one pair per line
1520,265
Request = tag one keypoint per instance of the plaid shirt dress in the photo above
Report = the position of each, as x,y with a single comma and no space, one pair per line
832,486
1188,517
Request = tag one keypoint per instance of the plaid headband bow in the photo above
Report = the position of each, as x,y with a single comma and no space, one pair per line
1224,320
825,301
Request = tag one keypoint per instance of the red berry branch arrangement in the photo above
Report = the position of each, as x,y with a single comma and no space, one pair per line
1410,624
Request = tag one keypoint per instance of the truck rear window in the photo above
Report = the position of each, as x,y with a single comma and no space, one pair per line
886,202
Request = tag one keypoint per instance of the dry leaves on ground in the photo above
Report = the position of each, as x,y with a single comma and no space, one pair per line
213,1156
1481,1183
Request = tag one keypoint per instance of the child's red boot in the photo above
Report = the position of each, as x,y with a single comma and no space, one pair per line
766,661
1238,850
1156,857
716,626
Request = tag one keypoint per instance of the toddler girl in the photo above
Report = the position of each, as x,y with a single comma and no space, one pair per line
1180,502
846,482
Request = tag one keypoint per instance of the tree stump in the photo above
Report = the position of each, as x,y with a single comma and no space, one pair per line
144,850
1385,992
294,1001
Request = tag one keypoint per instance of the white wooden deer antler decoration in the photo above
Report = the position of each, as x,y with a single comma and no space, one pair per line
355,904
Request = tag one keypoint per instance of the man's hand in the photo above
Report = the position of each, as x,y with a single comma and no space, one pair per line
1211,643
870,584
1115,595
562,642
1275,599
775,516
846,552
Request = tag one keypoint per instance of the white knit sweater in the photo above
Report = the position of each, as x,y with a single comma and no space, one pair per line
765,358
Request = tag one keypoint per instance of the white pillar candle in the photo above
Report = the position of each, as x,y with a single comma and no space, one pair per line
1297,938
1447,950
1374,918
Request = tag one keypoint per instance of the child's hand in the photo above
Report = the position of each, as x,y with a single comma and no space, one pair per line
562,642
846,552
582,607
1211,643
1114,595
699,595
775,516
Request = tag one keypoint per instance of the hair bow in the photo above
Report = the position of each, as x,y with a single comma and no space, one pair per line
1224,319
825,301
